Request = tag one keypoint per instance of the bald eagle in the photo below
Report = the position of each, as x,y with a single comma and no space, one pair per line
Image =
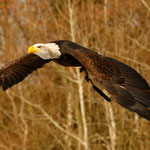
126,86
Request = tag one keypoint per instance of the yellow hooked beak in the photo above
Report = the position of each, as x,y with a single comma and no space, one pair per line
32,49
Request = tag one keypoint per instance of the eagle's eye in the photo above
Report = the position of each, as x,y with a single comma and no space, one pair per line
39,46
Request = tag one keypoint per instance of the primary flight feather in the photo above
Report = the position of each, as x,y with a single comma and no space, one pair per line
127,86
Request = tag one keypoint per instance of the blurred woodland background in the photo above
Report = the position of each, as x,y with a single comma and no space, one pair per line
53,109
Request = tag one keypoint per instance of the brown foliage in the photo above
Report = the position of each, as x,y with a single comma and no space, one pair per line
47,111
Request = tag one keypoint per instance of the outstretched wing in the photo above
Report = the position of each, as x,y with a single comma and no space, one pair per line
15,71
134,94
126,85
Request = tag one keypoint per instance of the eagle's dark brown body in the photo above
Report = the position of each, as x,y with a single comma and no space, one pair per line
127,87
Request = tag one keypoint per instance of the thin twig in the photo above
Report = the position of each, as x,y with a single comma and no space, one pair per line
145,4
128,59
140,45
53,121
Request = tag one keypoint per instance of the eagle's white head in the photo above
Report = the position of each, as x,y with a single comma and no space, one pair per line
45,51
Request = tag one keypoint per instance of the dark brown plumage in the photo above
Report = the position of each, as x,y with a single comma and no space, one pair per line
15,71
126,86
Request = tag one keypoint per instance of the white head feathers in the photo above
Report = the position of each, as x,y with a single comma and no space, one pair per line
45,51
